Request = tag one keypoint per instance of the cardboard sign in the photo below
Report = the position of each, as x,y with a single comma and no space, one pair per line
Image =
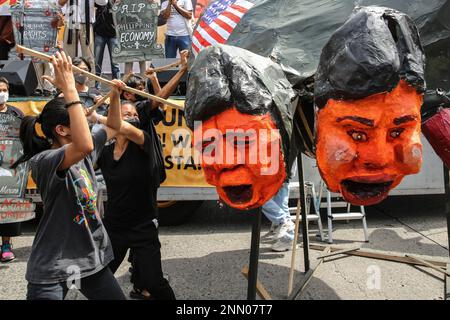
12,182
36,25
16,210
13,208
136,29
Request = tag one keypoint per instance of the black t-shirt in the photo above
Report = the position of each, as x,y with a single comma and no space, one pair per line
71,233
146,115
104,23
131,185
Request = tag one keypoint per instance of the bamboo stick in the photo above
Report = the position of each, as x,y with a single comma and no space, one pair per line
99,103
172,65
36,54
294,248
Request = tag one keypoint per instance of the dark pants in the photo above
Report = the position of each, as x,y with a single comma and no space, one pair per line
4,50
146,260
176,43
99,286
10,229
6,36
99,49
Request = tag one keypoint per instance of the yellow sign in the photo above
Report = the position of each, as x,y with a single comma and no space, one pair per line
182,167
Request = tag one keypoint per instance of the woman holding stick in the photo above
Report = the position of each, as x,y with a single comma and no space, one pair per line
71,246
132,175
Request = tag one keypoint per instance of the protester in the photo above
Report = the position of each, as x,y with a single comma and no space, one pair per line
71,242
6,32
142,67
8,230
79,27
88,95
282,229
132,175
105,35
149,110
4,97
44,87
178,14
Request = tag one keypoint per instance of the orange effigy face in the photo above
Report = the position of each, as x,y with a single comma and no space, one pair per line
365,147
241,155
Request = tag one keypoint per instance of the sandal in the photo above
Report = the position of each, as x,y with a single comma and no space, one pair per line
137,294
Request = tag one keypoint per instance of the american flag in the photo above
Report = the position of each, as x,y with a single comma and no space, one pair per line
218,22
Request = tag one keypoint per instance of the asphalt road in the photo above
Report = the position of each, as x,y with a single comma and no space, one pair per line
204,257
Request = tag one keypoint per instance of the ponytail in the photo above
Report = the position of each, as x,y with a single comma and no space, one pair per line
53,114
31,142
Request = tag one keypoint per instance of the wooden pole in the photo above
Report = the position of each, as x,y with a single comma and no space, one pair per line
99,103
172,65
428,264
304,210
307,278
447,209
294,248
103,99
381,255
337,253
36,54
260,289
254,255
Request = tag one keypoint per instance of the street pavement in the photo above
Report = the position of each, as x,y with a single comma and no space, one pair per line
204,257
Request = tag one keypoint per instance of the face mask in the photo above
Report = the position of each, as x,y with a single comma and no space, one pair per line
4,96
134,122
81,79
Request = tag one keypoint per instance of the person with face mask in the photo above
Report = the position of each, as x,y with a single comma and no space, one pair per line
88,95
4,97
8,230
71,240
132,179
149,111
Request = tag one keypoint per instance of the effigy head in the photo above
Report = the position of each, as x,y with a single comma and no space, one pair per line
239,106
368,93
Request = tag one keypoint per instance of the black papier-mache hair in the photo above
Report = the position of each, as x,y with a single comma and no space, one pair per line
224,76
369,54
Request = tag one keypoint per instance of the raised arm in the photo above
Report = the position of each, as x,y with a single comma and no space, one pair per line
131,132
151,74
114,115
166,12
185,13
81,144
170,86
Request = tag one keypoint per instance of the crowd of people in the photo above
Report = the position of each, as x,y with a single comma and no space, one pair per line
77,141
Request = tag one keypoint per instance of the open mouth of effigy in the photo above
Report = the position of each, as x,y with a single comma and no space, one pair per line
240,193
366,190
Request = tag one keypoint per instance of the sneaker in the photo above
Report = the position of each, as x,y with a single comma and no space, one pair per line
270,234
285,229
140,294
282,244
7,254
